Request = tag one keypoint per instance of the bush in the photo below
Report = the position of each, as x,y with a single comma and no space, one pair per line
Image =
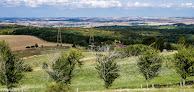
159,44
148,40
58,87
45,65
36,45
27,46
133,50
74,43
109,42
169,46
32,46
27,68
80,43
83,43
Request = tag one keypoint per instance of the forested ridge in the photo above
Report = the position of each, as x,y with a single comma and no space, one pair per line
126,34
168,33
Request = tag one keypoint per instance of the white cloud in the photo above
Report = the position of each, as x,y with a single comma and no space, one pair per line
32,3
137,4
163,5
10,3
78,4
96,4
168,5
187,5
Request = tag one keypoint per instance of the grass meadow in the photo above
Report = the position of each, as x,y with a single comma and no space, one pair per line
86,78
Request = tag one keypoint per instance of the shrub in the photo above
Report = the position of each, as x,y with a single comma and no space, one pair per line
58,87
133,50
32,46
148,40
36,45
182,40
80,43
83,43
109,42
45,65
27,46
169,46
75,43
159,44
27,68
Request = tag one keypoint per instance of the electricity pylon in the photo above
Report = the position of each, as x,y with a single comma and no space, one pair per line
29,24
59,39
91,40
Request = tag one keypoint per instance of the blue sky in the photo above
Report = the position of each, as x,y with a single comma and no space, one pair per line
97,8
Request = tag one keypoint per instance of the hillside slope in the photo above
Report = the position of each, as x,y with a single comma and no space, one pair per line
19,42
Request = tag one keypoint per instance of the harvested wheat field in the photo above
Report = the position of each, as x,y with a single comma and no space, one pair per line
19,42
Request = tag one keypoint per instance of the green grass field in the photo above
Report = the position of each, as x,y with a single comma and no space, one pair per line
86,78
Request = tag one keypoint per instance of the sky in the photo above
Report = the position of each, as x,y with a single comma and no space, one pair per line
96,8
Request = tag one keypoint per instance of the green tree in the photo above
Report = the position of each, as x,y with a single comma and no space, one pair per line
83,43
36,45
108,42
133,50
80,43
148,40
158,44
182,40
75,43
63,67
169,46
184,62
107,68
149,64
11,67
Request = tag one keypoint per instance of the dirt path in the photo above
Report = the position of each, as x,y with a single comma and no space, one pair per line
39,68
31,57
84,59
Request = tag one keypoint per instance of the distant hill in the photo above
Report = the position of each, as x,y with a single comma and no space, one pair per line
19,42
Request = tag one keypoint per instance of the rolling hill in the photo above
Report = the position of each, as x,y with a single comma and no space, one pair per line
19,42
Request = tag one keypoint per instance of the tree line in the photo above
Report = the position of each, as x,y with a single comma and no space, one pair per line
126,34
169,33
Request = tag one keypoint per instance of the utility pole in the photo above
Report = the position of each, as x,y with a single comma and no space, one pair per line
59,39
